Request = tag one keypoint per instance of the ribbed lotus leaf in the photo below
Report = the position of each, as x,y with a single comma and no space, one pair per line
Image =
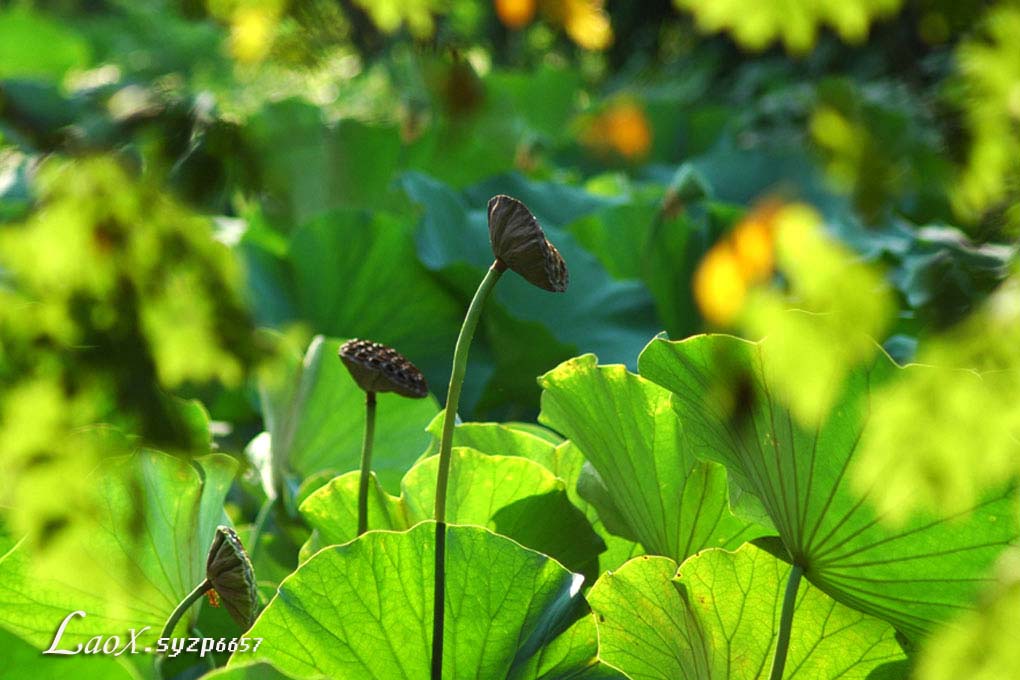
229,570
519,242
378,368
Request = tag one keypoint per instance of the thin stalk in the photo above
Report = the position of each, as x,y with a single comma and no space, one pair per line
191,598
460,357
786,623
259,525
366,462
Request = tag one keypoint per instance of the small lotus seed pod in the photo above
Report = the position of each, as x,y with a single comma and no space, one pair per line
519,242
378,368
229,570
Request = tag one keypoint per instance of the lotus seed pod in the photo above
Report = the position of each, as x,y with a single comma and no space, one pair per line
378,368
519,242
229,570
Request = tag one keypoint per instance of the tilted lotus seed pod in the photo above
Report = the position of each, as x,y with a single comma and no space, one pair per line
229,570
519,243
378,368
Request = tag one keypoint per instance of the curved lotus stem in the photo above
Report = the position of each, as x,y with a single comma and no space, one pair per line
518,243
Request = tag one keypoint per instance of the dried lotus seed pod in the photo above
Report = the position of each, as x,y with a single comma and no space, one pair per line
378,368
519,243
229,570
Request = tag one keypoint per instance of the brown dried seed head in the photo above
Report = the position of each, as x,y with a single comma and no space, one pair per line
229,570
519,242
378,368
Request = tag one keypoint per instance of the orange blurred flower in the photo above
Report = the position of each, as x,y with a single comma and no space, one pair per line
622,128
515,14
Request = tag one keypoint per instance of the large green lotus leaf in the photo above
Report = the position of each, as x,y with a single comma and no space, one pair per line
544,99
356,275
672,502
511,495
520,350
617,235
149,549
717,618
561,458
268,287
364,610
459,149
914,574
309,167
315,415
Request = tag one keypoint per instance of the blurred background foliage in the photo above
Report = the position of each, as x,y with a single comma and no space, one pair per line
176,174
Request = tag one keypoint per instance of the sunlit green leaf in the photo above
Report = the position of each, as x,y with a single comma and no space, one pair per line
848,304
795,22
365,610
147,550
989,67
915,575
253,671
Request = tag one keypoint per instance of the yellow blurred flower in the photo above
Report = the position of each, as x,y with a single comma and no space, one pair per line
585,21
743,259
622,128
515,14
588,24
719,286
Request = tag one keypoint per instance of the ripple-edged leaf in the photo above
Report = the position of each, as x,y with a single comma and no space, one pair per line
562,458
511,495
717,618
669,500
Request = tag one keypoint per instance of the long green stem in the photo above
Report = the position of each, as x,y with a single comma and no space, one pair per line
460,357
366,462
786,623
192,597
